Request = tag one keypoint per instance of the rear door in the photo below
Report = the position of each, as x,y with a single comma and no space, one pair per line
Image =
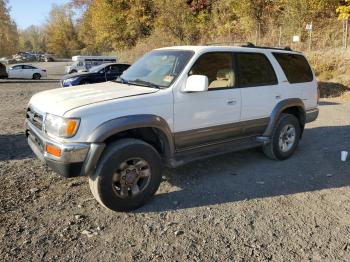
29,71
16,71
259,86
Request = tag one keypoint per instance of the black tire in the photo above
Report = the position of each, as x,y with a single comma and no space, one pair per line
36,76
273,150
84,82
102,183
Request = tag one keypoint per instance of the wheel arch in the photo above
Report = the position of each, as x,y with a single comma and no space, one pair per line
149,128
294,106
36,73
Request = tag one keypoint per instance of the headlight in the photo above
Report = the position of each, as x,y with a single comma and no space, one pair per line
69,81
60,126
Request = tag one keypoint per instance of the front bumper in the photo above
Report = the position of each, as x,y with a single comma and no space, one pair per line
77,159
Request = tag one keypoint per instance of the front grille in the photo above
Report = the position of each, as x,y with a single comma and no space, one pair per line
36,140
35,118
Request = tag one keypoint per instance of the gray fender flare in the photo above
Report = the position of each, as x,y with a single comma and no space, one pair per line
117,125
279,108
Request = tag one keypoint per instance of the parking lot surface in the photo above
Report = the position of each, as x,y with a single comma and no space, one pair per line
237,207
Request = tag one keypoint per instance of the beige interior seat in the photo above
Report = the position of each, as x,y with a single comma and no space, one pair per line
224,78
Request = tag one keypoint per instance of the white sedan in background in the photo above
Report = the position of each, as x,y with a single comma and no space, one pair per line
26,71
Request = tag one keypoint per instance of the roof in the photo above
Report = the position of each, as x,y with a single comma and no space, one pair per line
249,48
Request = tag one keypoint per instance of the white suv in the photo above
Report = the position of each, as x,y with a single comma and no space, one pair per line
174,105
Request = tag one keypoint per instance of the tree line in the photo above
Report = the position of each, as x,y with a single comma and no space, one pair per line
105,26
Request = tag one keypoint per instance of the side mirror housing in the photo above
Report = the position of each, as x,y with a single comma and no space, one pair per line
196,83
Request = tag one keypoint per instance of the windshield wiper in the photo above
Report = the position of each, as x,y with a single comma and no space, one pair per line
121,80
143,83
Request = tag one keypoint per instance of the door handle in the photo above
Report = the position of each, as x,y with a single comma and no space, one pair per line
231,102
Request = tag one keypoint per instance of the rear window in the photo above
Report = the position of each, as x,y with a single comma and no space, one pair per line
255,70
295,67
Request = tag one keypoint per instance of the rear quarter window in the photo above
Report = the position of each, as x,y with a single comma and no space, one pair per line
295,67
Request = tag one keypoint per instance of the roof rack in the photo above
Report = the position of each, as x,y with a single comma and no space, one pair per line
251,45
229,43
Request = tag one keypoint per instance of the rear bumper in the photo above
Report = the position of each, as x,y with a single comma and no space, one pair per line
77,159
311,115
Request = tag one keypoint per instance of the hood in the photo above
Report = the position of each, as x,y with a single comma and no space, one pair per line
59,101
80,74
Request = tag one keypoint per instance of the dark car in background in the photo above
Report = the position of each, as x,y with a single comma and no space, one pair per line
3,72
97,74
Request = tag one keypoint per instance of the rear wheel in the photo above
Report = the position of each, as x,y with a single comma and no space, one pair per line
285,138
36,76
127,175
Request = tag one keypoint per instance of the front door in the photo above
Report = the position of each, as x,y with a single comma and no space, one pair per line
16,71
112,72
202,118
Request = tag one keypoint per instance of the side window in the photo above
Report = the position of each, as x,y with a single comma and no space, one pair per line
18,67
295,67
114,69
28,67
255,70
124,67
218,67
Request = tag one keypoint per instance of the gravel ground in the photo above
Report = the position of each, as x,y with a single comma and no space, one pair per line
236,207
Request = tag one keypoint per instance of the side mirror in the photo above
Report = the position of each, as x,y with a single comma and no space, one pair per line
196,83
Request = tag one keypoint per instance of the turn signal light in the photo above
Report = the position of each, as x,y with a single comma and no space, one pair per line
53,150
71,127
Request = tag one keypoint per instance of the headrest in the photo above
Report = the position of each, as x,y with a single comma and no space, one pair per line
223,74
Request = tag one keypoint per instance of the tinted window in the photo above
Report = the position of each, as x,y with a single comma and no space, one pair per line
124,67
255,70
17,67
218,67
295,67
114,69
28,67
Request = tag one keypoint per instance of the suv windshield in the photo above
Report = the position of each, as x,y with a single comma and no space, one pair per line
158,68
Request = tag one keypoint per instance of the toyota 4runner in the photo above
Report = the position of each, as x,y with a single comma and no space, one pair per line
173,106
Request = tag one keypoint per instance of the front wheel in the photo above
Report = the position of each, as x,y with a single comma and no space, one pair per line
85,82
285,138
128,174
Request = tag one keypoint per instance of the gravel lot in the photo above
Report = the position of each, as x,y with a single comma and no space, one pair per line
236,207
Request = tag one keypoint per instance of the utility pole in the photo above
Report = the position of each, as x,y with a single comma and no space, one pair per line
310,40
257,39
309,28
346,33
280,37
